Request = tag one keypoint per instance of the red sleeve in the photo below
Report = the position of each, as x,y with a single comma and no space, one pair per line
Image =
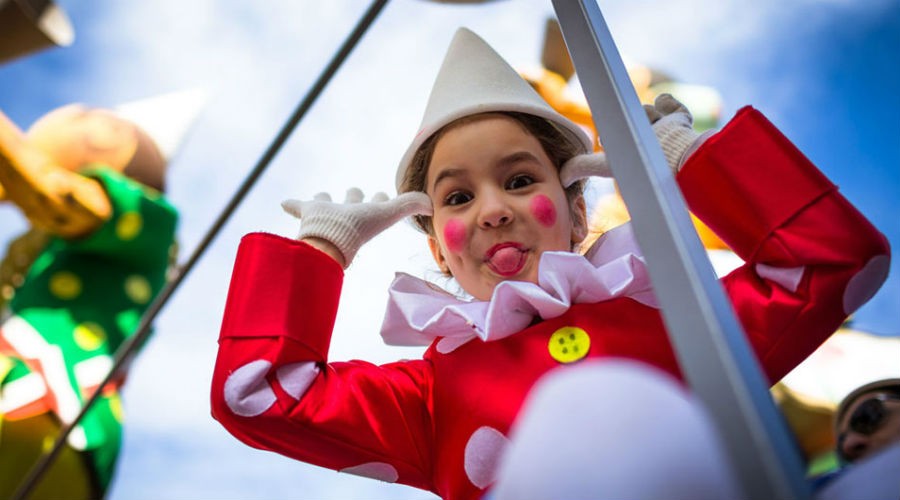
273,390
283,288
811,257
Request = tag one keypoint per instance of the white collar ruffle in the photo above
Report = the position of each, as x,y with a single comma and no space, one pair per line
418,312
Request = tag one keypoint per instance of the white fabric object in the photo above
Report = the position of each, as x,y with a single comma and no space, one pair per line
874,478
583,166
613,429
26,341
22,391
247,393
482,455
77,438
867,281
674,129
675,136
418,311
92,371
296,378
350,224
724,261
788,277
166,118
374,470
474,79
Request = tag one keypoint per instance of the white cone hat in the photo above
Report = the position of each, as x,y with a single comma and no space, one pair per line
166,118
474,79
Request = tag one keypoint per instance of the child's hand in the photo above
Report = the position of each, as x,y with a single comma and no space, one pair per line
350,224
584,166
673,126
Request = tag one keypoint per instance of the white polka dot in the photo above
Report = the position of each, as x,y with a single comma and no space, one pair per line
374,470
77,439
788,277
449,344
296,378
867,281
482,455
246,391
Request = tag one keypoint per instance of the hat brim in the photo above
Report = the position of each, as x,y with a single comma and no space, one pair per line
878,385
579,139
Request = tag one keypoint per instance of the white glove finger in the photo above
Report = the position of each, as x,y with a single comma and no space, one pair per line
293,207
354,195
415,203
584,166
322,197
652,114
667,105
380,197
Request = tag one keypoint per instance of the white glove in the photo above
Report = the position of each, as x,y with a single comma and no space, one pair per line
350,224
673,126
584,166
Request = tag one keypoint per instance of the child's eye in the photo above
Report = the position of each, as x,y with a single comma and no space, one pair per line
519,181
457,198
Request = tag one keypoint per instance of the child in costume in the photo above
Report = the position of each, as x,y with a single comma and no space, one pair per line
76,284
493,177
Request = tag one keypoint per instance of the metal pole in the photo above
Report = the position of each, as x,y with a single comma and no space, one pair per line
127,349
709,342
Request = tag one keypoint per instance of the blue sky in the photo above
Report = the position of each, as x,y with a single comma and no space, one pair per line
824,71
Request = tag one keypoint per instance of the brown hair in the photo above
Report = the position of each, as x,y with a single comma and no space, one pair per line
555,144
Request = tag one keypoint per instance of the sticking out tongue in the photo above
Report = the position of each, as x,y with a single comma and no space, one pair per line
507,261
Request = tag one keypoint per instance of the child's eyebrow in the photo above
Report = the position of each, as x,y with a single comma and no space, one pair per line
447,174
504,163
517,157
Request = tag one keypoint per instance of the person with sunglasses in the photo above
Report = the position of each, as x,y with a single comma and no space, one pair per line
868,420
867,428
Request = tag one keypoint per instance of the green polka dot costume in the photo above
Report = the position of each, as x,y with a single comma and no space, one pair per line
80,300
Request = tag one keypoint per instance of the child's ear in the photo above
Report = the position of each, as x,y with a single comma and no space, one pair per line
438,256
578,208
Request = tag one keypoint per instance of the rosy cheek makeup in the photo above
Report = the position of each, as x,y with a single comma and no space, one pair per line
543,210
455,235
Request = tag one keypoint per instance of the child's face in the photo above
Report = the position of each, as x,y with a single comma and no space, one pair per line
498,205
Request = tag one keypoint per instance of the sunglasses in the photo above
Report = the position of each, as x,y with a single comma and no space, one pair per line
869,416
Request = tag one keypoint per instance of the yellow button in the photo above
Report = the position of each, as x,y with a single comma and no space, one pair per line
115,407
129,226
569,344
65,285
137,288
89,336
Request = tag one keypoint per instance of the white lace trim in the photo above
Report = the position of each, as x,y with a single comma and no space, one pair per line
419,311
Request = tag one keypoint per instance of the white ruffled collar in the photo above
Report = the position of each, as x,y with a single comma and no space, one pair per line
418,312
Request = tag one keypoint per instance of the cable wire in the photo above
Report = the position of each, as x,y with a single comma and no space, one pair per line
127,349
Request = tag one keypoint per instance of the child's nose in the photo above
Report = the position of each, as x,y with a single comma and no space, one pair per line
494,211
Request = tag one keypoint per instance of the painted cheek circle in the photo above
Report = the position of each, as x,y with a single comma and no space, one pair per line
455,235
543,210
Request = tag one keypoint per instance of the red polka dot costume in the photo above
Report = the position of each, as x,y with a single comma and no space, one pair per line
439,423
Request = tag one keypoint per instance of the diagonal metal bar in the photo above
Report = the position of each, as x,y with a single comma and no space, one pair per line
709,342
127,350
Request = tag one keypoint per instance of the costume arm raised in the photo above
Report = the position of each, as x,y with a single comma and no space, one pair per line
811,257
53,198
273,389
